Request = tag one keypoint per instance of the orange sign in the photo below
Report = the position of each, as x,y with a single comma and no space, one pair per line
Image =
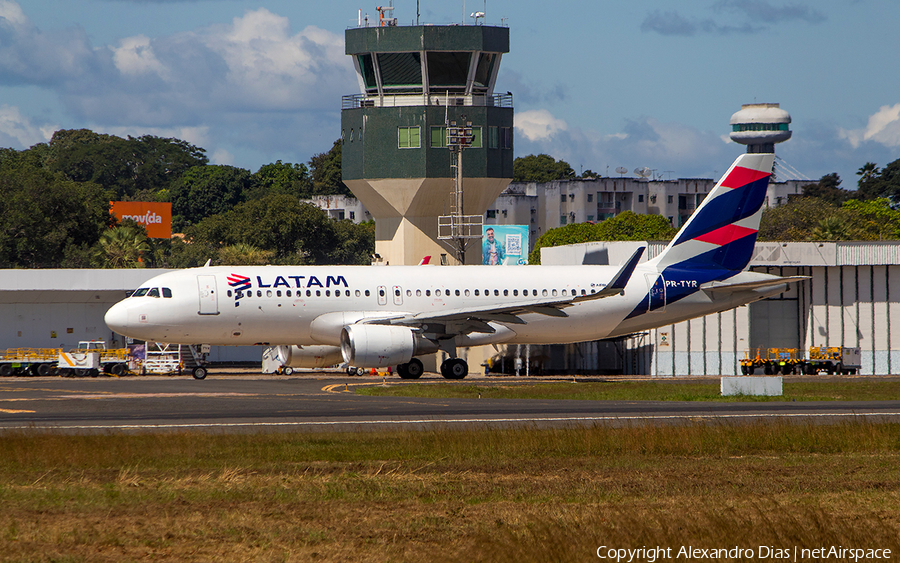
155,216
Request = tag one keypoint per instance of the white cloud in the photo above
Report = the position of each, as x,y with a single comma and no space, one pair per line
12,13
221,156
18,130
883,128
135,56
538,124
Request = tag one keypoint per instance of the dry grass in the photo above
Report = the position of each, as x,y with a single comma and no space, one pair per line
484,495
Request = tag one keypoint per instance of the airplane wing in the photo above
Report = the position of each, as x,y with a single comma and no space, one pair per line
476,319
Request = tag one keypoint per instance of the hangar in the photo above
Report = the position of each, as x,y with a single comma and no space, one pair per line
850,299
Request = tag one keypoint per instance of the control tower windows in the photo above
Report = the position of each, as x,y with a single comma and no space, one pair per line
400,71
484,70
448,70
409,137
368,72
439,138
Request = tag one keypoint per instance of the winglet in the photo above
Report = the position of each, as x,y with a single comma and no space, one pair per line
425,261
616,286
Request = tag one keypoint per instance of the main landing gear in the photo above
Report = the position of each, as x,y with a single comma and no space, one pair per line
411,370
454,368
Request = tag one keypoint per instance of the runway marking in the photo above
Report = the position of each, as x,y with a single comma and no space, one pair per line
154,395
336,387
450,421
14,411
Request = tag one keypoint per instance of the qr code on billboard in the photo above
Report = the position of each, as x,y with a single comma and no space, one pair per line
513,244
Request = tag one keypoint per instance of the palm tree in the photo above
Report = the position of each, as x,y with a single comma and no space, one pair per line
831,228
122,247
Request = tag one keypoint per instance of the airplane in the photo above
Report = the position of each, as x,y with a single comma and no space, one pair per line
381,316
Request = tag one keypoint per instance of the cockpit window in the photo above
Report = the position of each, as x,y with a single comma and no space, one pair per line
153,292
141,292
167,293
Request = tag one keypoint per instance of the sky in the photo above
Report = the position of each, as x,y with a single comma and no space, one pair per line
601,85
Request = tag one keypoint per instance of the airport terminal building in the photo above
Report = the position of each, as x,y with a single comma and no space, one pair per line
850,299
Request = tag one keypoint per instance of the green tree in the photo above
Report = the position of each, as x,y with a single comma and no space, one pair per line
875,183
281,178
795,220
122,247
828,189
44,218
243,255
624,226
133,168
203,191
326,172
541,168
297,233
874,219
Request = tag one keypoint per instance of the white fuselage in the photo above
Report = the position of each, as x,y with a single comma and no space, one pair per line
309,305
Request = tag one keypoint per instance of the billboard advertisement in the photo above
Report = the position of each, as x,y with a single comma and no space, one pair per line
504,245
156,216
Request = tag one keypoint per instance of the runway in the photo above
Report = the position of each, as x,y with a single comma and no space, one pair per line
325,402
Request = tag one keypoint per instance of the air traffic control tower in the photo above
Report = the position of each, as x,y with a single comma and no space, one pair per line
414,82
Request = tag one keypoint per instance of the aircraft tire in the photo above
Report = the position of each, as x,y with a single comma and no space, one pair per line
415,369
199,372
455,369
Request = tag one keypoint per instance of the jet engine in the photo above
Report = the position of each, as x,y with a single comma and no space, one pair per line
279,357
376,346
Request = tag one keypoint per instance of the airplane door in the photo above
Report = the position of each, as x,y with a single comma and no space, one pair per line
656,287
382,295
209,299
398,295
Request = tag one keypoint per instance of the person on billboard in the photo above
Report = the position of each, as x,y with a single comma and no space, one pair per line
492,252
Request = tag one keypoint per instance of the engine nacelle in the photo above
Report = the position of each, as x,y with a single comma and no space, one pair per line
276,357
378,346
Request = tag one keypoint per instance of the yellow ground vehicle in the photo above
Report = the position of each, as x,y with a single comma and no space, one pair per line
773,361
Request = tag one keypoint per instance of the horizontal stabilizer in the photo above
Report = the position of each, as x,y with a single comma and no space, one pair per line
715,286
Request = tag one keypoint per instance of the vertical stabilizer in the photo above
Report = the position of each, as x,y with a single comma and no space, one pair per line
721,233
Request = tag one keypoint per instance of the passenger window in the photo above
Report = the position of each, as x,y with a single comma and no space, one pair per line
476,293
229,293
259,293
409,293
153,292
288,293
318,293
141,292
554,293
427,293
367,293
467,292
327,293
515,293
308,293
418,293
268,293
544,293
457,293
397,292
496,293
357,293
167,293
347,293
505,293
564,292
238,294
437,292
278,293
380,293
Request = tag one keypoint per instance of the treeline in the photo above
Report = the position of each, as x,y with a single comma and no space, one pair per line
54,207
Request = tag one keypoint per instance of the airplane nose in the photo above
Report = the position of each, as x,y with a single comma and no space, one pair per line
117,318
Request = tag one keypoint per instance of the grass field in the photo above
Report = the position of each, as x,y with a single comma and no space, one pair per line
664,390
481,495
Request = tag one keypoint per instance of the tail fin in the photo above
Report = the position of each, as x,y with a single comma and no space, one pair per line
721,233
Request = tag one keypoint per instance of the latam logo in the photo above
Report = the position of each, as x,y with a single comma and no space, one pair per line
148,218
243,283
239,283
